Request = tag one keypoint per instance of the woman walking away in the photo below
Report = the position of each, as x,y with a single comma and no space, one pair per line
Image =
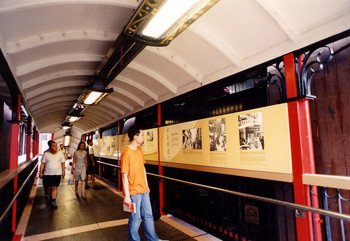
79,167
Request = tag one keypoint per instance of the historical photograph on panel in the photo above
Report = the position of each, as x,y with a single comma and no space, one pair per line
217,135
251,133
192,138
149,136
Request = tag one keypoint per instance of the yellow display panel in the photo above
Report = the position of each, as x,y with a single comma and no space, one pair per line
256,140
106,146
150,145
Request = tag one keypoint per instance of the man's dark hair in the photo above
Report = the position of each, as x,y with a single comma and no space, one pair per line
133,131
50,142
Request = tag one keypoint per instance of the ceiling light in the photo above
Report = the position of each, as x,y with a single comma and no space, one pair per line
72,119
67,139
168,14
159,22
93,97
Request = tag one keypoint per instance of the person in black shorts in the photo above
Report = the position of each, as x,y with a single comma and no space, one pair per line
52,169
92,166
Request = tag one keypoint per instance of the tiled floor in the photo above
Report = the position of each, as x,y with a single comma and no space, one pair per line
98,217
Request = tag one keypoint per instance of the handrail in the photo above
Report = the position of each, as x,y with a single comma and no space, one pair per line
8,174
297,207
108,164
16,195
332,181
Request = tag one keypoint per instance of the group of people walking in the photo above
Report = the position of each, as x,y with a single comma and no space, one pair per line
52,169
134,179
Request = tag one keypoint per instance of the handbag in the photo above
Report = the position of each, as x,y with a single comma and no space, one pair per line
71,180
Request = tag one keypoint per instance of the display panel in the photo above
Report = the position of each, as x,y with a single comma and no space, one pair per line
256,140
150,145
107,146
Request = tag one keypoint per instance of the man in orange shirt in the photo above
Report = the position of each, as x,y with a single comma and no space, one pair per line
136,188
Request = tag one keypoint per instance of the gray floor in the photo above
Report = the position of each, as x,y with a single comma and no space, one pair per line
100,206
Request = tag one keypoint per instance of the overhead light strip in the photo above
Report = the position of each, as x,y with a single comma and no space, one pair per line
167,16
158,22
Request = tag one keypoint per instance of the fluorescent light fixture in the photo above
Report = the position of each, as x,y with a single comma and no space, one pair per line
158,22
66,141
168,14
93,96
72,119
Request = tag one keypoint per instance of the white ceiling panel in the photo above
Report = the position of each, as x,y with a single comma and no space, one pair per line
54,47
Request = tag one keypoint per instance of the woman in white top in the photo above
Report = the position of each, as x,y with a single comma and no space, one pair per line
79,167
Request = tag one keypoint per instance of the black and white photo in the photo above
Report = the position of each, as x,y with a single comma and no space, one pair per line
251,133
217,135
192,138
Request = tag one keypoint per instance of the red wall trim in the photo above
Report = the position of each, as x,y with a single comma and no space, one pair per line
302,153
14,157
291,80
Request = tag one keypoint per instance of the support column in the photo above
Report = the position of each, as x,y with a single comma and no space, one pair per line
35,141
29,138
16,112
160,167
302,151
34,144
120,185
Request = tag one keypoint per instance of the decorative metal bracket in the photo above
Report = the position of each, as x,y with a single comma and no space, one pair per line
312,63
274,77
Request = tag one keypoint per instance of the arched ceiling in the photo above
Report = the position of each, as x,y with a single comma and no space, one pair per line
53,48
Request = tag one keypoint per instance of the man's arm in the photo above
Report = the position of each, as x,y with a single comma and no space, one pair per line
146,179
125,181
63,169
42,166
63,165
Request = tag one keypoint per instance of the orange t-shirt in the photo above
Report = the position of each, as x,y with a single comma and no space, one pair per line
133,164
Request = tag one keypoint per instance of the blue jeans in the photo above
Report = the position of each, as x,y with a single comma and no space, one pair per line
144,213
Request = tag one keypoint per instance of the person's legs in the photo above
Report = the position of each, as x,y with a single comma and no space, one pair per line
86,182
135,219
93,179
83,178
55,182
83,188
76,183
147,218
78,177
46,188
54,193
